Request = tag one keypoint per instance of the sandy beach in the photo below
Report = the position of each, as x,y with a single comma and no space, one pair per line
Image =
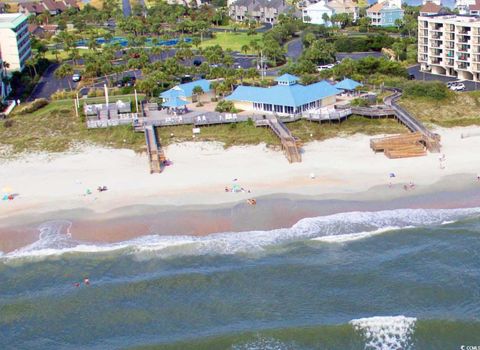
55,186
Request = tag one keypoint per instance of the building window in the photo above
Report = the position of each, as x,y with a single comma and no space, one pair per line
278,108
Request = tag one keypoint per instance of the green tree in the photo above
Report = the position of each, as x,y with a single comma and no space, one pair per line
320,52
64,71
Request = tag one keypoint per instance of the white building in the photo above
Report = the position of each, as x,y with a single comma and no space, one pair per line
15,41
315,13
396,3
450,45
462,5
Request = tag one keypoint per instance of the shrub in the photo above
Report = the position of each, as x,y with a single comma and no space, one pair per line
33,106
225,106
8,123
63,95
433,89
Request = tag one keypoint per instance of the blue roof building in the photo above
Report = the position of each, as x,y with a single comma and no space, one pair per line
185,91
347,84
286,98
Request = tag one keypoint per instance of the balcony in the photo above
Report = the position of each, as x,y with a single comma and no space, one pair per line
463,48
463,57
450,63
476,58
463,66
422,58
436,36
437,61
450,54
464,30
436,52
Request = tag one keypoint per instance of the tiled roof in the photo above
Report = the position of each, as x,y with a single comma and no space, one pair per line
285,95
475,7
376,8
430,7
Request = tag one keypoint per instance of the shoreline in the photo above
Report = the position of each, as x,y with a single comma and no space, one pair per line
272,212
189,197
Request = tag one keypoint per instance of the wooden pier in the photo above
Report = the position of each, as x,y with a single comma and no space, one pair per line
290,145
156,156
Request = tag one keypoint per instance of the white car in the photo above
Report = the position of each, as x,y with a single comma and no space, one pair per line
457,87
76,77
325,67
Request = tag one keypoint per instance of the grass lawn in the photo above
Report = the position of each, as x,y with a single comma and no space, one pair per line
233,41
353,125
55,128
460,109
63,55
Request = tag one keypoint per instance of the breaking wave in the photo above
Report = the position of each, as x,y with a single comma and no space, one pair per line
386,333
55,237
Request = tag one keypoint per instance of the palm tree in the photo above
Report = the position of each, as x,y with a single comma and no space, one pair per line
31,63
245,48
197,91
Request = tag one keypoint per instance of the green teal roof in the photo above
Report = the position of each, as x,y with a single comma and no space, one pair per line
348,84
175,102
11,20
294,95
186,90
287,79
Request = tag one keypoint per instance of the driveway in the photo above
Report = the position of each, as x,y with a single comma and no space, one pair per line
294,48
415,71
49,84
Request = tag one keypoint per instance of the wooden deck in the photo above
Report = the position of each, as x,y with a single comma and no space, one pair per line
400,146
155,153
290,145
431,140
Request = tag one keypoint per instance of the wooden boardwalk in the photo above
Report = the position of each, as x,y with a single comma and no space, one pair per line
400,146
290,145
431,140
156,156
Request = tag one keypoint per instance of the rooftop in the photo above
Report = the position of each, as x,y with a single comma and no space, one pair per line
453,18
348,84
286,95
11,20
430,7
186,90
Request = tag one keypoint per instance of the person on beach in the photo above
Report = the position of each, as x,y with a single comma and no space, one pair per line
86,281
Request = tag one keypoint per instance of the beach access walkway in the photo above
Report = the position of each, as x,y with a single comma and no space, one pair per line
290,145
156,156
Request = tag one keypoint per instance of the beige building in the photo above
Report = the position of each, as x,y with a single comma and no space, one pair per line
450,45
263,11
15,41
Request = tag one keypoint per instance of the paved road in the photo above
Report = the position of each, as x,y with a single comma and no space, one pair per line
415,71
49,84
294,49
127,8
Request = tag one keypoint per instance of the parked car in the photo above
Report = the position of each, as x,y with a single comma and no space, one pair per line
325,67
76,77
458,87
411,77
197,63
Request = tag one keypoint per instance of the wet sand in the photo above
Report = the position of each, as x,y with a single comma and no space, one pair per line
270,212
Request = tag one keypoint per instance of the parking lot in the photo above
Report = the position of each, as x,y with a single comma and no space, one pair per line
415,71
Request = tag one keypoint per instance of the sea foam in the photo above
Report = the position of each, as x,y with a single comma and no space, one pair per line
386,332
55,237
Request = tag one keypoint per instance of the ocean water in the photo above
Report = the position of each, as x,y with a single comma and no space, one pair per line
389,280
